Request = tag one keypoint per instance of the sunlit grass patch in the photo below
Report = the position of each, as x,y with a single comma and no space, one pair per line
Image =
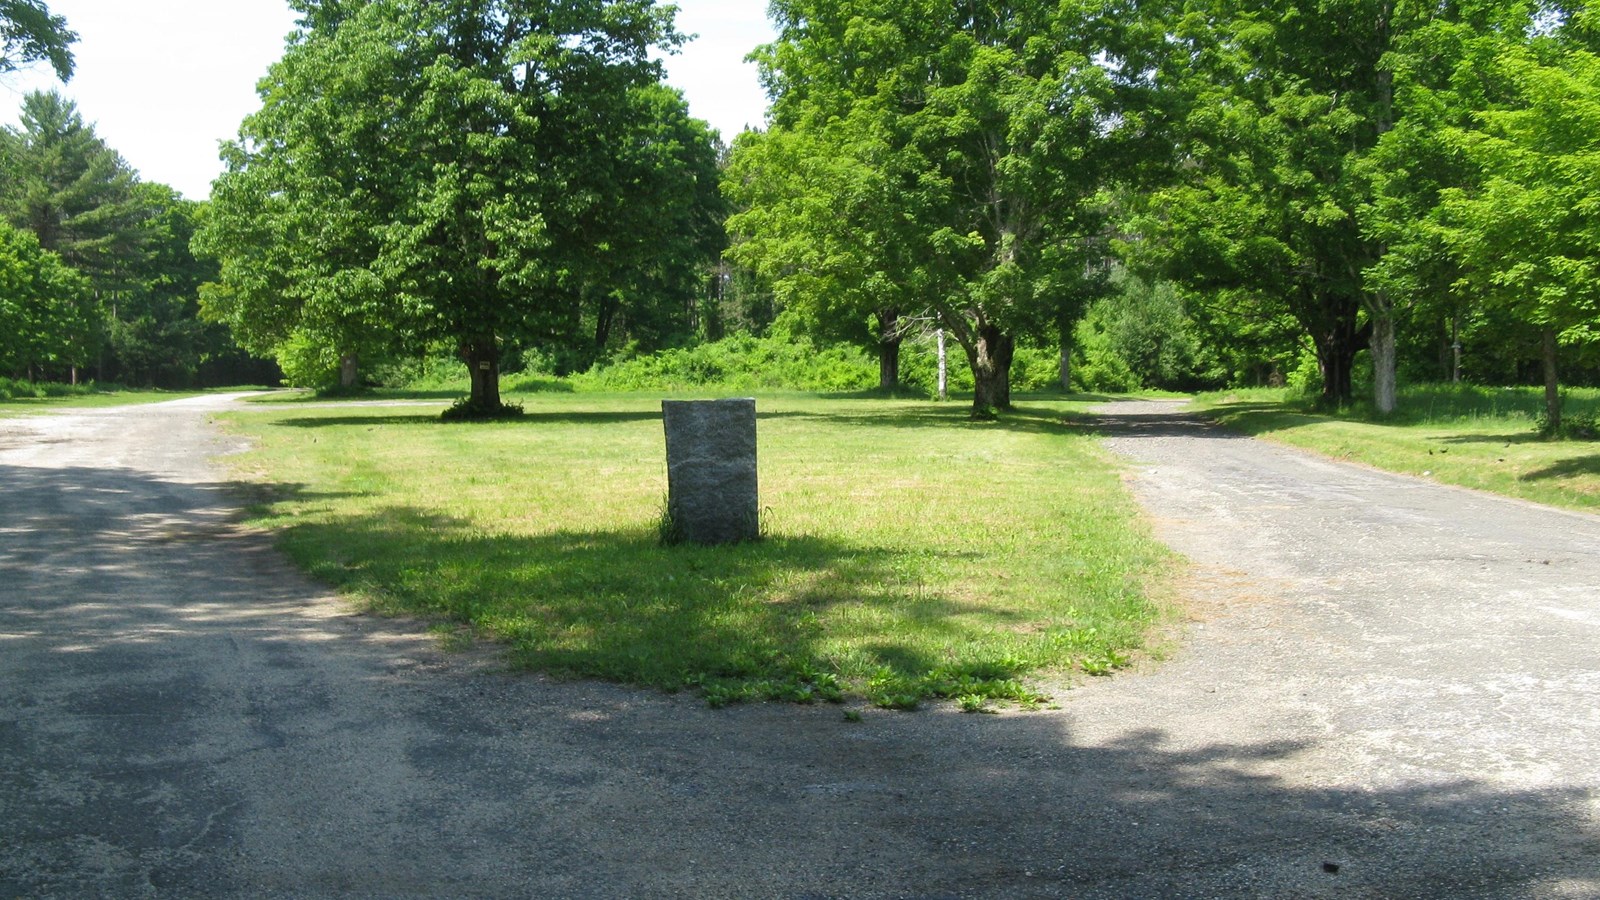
909,553
1482,438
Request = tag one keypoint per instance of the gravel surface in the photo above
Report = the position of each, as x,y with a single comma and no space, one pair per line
1385,688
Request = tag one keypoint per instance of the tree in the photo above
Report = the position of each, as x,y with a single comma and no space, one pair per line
47,313
966,147
72,191
154,335
29,33
820,225
78,198
443,171
664,213
1526,232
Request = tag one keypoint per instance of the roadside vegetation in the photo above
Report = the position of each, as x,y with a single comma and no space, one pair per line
1478,437
887,570
20,395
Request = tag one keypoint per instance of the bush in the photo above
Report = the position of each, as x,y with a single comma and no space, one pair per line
1035,369
1096,365
23,389
1142,336
739,363
1574,427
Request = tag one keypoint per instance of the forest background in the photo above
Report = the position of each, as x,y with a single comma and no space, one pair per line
1339,197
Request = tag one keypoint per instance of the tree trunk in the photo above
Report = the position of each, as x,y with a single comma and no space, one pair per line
1066,359
1455,349
1336,355
990,357
482,357
888,350
889,364
349,371
1383,363
605,315
1552,385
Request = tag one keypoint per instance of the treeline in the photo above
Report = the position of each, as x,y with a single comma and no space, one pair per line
1174,193
97,280
1262,185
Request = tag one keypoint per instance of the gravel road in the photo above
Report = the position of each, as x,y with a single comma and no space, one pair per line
1386,688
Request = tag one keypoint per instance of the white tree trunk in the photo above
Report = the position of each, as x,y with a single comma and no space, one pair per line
943,371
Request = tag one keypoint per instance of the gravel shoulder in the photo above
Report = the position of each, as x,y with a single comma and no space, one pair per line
1380,676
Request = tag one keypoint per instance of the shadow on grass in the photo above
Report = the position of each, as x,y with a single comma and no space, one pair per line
929,414
619,606
147,638
1567,468
1521,436
529,419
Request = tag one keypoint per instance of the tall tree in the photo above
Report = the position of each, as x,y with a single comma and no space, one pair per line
47,312
661,212
72,191
154,335
440,171
971,141
1526,232
30,33
821,224
78,197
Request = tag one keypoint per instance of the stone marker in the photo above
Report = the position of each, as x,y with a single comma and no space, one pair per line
711,470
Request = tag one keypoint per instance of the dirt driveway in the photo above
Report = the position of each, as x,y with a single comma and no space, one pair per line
1389,689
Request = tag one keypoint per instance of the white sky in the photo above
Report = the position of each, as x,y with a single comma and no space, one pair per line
164,80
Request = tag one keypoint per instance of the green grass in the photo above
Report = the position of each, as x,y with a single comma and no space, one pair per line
910,554
18,397
1483,438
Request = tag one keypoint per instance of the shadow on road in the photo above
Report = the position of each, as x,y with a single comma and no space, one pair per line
179,715
1155,420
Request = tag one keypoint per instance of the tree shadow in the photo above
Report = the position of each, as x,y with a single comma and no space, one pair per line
1515,438
527,419
371,421
1138,815
1567,468
176,704
620,606
1257,417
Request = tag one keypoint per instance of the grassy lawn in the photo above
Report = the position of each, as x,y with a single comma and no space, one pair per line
1482,438
20,398
910,554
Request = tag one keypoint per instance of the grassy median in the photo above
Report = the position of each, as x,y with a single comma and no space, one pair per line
1476,437
909,553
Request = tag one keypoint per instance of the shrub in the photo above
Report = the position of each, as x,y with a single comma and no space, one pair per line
739,363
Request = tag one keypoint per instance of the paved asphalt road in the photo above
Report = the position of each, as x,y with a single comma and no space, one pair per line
1386,689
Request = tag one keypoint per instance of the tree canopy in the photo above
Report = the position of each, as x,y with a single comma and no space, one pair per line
47,313
30,33
471,171
966,150
86,209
